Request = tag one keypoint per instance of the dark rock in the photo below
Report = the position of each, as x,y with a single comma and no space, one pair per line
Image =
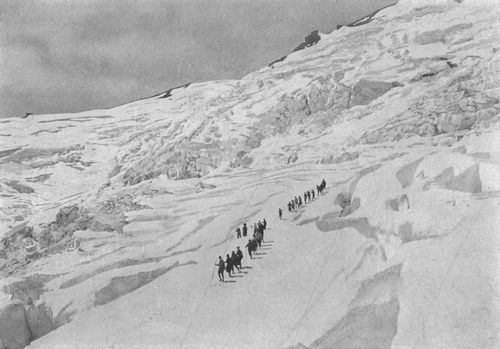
309,40
67,215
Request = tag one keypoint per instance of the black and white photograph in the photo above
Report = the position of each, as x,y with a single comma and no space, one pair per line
249,174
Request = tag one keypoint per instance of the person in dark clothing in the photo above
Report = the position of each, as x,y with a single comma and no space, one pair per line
323,184
300,201
258,238
238,233
240,255
293,206
309,196
312,192
229,265
305,198
317,188
289,207
234,260
280,213
264,224
220,271
245,229
249,247
262,227
254,245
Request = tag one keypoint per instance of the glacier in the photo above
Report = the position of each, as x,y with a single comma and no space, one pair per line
128,208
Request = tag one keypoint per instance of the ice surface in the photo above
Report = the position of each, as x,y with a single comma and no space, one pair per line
399,115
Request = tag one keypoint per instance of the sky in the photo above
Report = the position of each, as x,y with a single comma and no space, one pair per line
73,55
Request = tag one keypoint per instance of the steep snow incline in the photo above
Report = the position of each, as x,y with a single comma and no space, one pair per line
112,220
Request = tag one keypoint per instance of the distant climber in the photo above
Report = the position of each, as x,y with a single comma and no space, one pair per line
240,255
238,233
245,229
250,247
258,238
280,213
229,265
234,260
220,272
264,224
312,192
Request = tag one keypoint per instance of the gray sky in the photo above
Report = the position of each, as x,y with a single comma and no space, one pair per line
68,56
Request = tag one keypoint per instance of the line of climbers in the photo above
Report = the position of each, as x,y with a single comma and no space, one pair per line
234,260
297,202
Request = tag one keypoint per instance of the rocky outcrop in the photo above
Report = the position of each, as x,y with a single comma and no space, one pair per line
310,40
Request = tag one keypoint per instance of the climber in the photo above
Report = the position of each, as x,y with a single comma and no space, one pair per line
240,255
229,265
245,229
238,233
220,272
308,196
258,238
234,260
305,197
280,213
264,224
250,248
312,192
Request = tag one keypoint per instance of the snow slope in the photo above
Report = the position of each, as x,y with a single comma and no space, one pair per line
399,114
